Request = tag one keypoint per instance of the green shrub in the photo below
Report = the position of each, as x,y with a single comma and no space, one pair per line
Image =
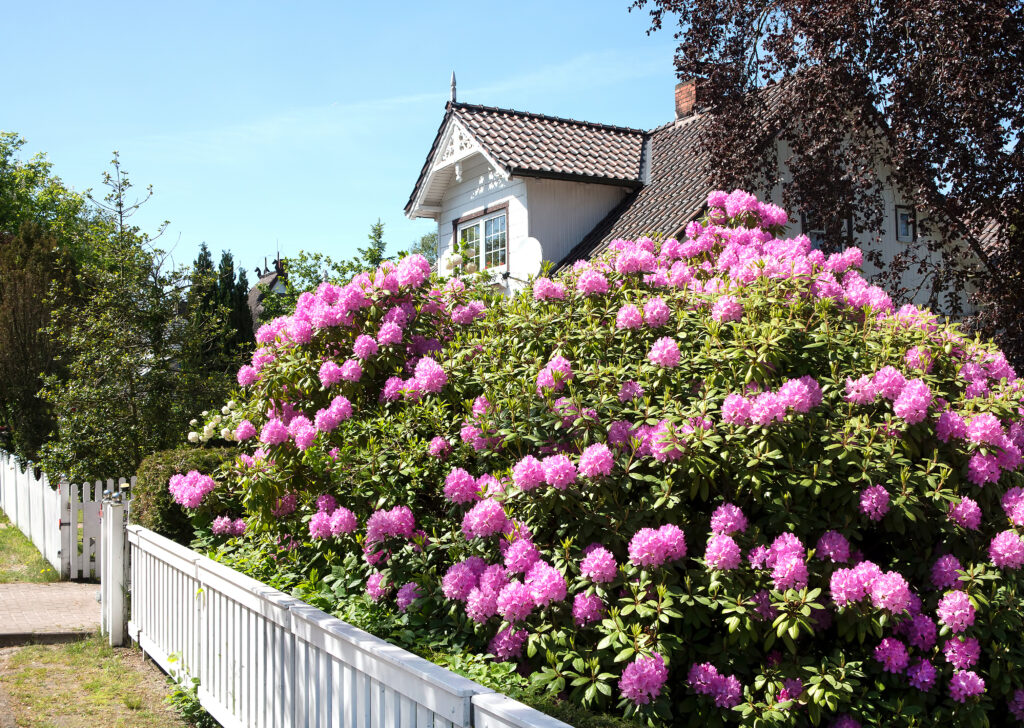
152,506
767,496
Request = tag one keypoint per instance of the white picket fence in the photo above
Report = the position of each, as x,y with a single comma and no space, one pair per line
63,523
264,659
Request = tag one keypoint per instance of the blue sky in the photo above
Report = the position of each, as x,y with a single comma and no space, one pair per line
261,125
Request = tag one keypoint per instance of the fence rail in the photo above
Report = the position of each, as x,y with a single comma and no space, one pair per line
264,659
63,523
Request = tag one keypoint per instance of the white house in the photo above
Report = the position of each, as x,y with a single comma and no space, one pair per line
522,187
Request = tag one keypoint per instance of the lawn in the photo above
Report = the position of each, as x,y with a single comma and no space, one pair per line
83,684
20,561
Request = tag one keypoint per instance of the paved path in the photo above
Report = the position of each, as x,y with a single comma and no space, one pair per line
47,612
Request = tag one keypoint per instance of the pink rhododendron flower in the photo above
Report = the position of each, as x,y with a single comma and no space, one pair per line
244,431
727,308
599,564
460,487
982,469
921,632
736,410
722,553
944,572
985,429
966,513
507,643
591,282
921,674
950,425
559,472
587,609
656,313
515,601
665,353
965,684
528,473
407,594
596,461
389,333
376,589
247,376
430,375
913,401
364,347
888,381
521,555
728,518
892,653
484,519
834,547
874,502
861,391
1007,550
650,547
274,432
545,289
439,447
481,604
546,584
330,373
343,521
724,689
190,489
890,591
962,652
630,390
955,611
918,358
642,680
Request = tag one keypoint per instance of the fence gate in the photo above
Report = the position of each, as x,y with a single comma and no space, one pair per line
63,523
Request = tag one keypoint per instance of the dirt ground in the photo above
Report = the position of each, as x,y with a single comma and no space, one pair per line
82,685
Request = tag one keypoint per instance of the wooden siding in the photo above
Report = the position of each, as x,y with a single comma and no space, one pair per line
562,213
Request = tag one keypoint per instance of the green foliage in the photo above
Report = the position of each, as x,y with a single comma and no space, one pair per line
425,246
675,456
31,262
373,254
135,366
152,506
184,698
217,294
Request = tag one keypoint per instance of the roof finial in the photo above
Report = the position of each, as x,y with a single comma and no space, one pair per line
453,87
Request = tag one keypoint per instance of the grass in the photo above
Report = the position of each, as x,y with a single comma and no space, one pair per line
20,561
84,684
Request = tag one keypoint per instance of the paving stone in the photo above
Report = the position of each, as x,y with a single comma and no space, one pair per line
43,612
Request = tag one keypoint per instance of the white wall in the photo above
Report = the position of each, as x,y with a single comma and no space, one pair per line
562,213
883,240
482,187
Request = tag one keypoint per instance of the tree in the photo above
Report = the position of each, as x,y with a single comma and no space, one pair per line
426,246
373,254
135,367
929,89
31,263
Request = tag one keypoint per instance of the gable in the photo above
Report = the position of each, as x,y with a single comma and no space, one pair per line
521,144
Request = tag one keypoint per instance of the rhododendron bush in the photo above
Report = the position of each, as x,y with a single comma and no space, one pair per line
717,480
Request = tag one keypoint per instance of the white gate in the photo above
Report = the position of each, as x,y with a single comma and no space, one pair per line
63,523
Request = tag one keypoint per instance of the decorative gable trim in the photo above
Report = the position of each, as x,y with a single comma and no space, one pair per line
454,144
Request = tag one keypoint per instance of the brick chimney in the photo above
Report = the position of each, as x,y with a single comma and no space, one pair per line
686,98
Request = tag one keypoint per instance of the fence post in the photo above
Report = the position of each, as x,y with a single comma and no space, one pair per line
64,502
114,570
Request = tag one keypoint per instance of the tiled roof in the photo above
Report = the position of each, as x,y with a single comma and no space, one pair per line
680,180
536,145
527,143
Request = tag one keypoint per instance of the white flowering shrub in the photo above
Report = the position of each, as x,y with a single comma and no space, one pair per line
711,481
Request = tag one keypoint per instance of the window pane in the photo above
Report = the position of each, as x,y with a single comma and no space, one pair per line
494,242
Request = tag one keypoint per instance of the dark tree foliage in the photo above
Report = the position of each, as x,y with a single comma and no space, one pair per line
31,262
216,292
373,254
928,89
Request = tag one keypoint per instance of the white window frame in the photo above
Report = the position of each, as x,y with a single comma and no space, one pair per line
480,222
817,235
912,219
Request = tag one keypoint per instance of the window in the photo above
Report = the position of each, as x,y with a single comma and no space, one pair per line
906,224
817,232
483,240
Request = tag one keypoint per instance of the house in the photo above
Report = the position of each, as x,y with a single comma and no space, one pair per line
517,188
269,280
